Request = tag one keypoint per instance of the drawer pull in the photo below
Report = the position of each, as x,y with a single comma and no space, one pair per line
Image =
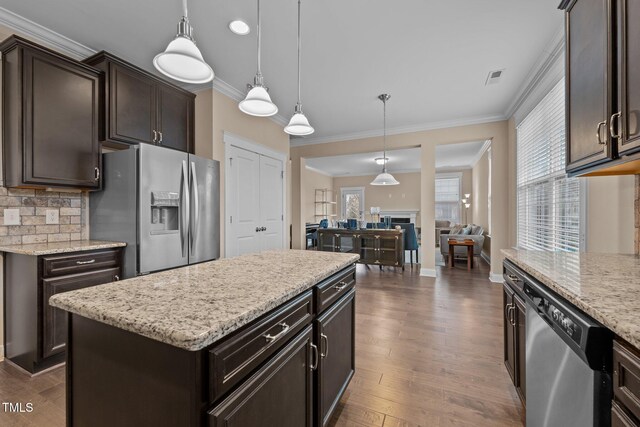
272,338
513,277
324,338
340,286
315,358
116,277
91,261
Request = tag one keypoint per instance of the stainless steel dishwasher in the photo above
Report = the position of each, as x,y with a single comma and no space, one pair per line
568,363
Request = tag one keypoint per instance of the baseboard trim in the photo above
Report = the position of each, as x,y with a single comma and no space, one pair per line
485,257
428,272
496,278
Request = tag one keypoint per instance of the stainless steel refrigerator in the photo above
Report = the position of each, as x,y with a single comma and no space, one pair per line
164,204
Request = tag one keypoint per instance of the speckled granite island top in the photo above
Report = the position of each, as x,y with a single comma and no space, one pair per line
36,249
605,286
192,307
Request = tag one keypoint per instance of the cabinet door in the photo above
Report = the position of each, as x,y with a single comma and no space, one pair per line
588,96
279,394
520,318
175,118
54,320
391,250
509,332
628,26
335,337
61,107
132,106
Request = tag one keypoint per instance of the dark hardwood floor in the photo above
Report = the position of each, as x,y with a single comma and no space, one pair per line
428,353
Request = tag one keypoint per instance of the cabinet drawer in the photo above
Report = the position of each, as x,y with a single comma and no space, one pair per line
78,262
619,418
626,378
333,288
235,358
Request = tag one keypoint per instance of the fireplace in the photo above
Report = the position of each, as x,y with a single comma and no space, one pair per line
402,217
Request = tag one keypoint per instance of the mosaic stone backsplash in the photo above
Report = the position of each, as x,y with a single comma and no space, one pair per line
33,204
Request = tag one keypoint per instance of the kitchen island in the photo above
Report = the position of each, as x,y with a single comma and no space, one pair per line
262,339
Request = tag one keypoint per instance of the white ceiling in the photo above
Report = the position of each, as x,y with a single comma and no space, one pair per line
448,157
432,56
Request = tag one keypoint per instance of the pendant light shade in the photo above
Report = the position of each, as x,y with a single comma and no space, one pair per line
384,178
258,102
299,124
182,59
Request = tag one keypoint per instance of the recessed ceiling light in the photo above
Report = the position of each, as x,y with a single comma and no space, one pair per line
239,27
382,161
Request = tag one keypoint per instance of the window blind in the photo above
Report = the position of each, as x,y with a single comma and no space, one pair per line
548,214
448,199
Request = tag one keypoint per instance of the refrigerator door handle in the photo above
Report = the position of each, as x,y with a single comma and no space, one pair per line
195,224
184,205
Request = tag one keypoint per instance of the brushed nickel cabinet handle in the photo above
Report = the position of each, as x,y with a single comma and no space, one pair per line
155,135
340,286
506,312
324,338
513,277
314,357
116,277
160,140
612,122
96,174
272,338
91,261
599,133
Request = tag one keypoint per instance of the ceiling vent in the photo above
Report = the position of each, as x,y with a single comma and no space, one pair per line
494,77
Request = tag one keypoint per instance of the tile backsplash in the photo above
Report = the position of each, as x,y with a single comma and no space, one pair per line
33,206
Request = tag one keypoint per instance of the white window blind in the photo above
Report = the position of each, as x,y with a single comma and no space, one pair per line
448,199
548,201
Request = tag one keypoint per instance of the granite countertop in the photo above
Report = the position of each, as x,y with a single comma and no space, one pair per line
194,306
605,286
36,249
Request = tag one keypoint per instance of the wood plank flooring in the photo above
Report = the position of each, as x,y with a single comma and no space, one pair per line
428,353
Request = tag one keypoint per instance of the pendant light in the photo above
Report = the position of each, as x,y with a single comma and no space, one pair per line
384,178
258,102
299,124
182,59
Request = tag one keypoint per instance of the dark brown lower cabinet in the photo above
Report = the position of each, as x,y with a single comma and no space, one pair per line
335,335
625,409
280,394
515,312
35,332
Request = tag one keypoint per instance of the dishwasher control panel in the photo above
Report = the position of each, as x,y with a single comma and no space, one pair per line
555,315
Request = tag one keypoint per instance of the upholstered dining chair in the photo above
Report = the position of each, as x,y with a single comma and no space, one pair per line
410,239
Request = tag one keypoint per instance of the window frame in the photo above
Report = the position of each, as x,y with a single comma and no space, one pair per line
449,175
343,205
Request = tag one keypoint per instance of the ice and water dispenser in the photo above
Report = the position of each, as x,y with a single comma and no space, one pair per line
165,212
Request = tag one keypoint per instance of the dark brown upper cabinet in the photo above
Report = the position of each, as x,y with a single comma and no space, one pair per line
602,87
51,118
142,108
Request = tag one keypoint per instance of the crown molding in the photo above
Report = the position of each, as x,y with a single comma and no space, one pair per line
298,142
321,172
483,149
44,35
555,48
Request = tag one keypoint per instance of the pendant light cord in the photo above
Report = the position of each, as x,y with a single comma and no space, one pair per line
384,135
259,41
184,9
299,49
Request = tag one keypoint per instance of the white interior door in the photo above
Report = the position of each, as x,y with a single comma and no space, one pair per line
255,215
243,173
271,213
